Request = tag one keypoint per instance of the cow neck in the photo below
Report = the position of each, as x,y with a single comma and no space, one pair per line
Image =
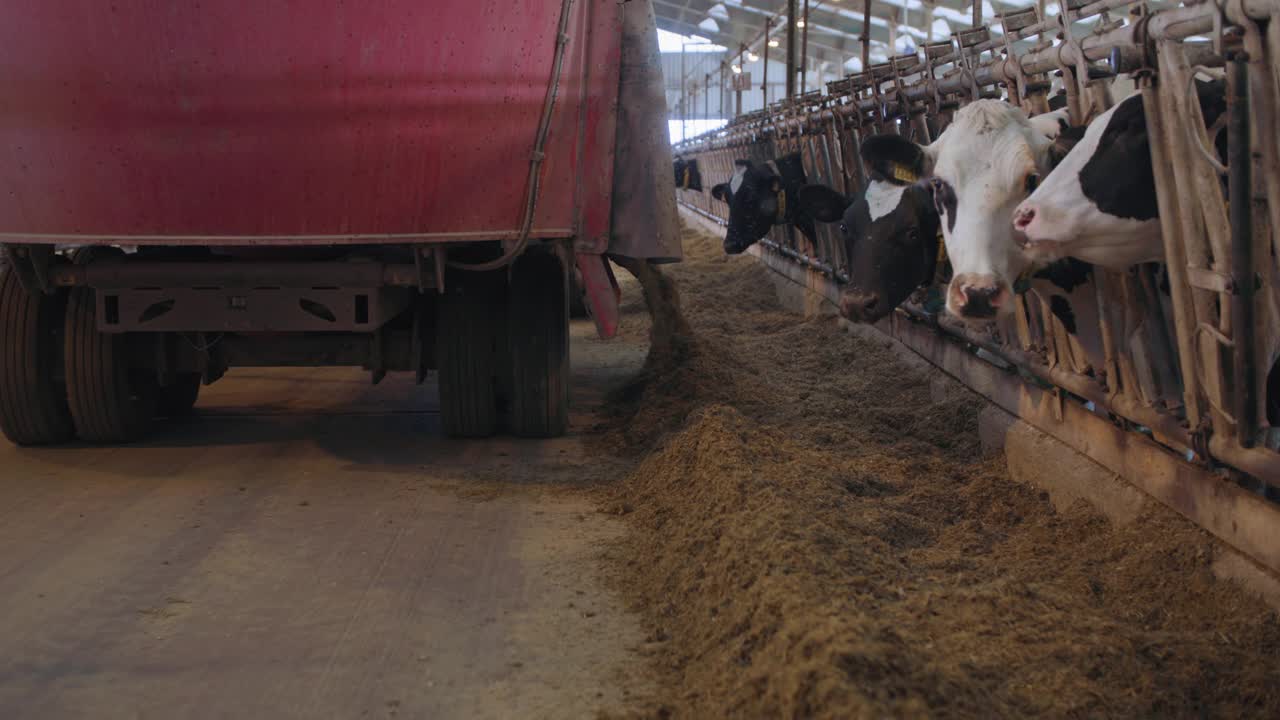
780,217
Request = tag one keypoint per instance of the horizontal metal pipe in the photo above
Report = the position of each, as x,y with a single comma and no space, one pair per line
1079,385
1174,23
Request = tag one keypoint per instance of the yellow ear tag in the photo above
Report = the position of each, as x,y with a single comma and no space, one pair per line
687,175
904,173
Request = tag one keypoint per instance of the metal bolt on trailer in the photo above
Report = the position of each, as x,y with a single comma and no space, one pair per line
318,200
1186,387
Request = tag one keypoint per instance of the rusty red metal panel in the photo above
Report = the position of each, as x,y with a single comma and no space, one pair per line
291,117
602,293
602,58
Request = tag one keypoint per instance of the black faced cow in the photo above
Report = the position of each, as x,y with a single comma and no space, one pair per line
890,235
1099,203
687,175
760,196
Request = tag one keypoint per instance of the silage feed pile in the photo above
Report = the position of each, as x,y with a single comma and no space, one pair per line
811,535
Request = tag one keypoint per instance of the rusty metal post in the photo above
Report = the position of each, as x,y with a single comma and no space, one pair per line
737,91
1240,191
791,49
866,35
684,95
722,88
1175,256
977,13
764,80
706,97
804,52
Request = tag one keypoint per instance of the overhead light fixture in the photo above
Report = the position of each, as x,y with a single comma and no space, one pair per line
737,69
752,57
799,23
773,43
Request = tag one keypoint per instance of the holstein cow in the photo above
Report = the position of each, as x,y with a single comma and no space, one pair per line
687,175
891,239
762,195
890,236
987,161
1099,204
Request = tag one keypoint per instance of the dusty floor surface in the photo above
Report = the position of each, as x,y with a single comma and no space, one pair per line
814,536
765,518
309,548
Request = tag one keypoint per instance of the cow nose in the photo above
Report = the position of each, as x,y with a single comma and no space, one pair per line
859,306
1023,218
979,297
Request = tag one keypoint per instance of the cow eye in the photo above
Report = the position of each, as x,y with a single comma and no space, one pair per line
1032,182
844,229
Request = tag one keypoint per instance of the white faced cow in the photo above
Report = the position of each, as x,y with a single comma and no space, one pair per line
1099,204
987,162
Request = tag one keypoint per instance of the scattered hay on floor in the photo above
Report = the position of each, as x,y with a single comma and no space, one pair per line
814,536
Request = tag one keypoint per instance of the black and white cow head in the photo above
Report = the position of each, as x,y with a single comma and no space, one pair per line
761,195
988,160
890,234
1099,204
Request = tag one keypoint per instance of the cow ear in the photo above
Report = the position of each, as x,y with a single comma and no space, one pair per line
823,203
895,158
1062,144
721,192
1051,123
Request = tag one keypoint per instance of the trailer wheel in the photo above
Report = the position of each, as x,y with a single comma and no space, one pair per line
110,402
33,400
465,355
179,398
538,335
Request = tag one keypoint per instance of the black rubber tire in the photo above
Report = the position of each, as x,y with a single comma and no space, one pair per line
538,336
109,403
33,400
466,354
179,399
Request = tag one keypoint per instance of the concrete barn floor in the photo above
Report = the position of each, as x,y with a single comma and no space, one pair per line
308,546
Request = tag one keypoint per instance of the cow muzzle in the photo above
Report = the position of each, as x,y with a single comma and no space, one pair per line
861,307
978,298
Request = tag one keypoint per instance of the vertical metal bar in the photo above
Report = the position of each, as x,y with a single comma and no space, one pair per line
737,112
764,80
804,52
977,13
1240,166
723,72
684,95
706,97
791,49
1184,318
866,35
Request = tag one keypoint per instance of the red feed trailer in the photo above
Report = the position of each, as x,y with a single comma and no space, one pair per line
393,184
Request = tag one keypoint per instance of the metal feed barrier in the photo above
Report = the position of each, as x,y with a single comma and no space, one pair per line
1182,398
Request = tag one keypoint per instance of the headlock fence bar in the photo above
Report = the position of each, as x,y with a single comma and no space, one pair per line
1189,347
